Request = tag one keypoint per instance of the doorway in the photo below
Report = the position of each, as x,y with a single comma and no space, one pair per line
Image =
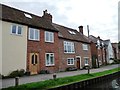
34,63
78,63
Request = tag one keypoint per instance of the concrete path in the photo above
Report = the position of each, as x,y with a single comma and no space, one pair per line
41,77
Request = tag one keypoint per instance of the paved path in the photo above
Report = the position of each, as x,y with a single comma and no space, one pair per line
42,77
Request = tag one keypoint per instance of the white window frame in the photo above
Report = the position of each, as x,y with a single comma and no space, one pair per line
16,29
34,30
70,61
68,44
85,61
85,46
49,59
50,37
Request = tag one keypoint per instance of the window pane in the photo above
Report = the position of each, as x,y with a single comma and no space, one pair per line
52,59
32,59
71,61
31,33
51,36
35,59
68,61
14,29
36,34
46,36
47,59
19,30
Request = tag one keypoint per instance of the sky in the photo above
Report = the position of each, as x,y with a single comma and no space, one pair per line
100,15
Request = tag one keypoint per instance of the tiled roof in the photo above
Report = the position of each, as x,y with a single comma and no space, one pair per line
17,16
65,32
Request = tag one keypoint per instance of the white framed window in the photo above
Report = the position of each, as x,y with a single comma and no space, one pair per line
69,47
49,59
70,61
49,36
34,34
72,32
86,60
85,46
16,29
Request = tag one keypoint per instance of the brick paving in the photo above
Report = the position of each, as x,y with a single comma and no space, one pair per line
41,77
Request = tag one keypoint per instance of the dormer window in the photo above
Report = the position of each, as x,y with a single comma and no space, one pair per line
27,15
72,32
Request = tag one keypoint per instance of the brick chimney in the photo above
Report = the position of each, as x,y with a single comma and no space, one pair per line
47,16
81,29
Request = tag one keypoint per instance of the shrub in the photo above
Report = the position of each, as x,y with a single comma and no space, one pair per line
21,72
116,61
71,69
27,73
17,73
44,72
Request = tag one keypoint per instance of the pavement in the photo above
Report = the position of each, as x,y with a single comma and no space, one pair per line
4,83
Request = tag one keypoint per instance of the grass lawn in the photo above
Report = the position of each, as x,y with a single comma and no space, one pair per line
42,85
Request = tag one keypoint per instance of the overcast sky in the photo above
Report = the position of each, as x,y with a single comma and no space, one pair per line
100,15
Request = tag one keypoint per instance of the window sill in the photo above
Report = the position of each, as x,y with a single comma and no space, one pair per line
50,65
70,64
69,53
49,42
16,34
33,40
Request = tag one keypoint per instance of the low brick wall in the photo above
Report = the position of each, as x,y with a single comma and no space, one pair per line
84,84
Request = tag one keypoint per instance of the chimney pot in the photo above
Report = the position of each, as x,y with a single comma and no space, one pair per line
81,29
47,16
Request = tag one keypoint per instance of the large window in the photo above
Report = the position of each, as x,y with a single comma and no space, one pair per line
49,36
70,61
85,46
49,59
34,34
16,29
86,60
69,47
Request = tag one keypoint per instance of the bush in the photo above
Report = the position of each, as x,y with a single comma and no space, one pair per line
71,69
17,73
86,67
116,61
44,72
27,73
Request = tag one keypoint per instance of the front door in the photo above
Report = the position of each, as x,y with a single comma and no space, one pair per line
78,63
34,64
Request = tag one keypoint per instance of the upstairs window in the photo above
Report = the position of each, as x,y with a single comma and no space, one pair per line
34,34
49,36
69,47
85,47
16,29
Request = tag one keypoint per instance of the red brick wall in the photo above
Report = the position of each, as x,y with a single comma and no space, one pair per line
41,47
100,53
78,52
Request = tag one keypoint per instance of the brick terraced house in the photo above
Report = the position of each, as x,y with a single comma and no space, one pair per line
34,43
29,42
74,48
